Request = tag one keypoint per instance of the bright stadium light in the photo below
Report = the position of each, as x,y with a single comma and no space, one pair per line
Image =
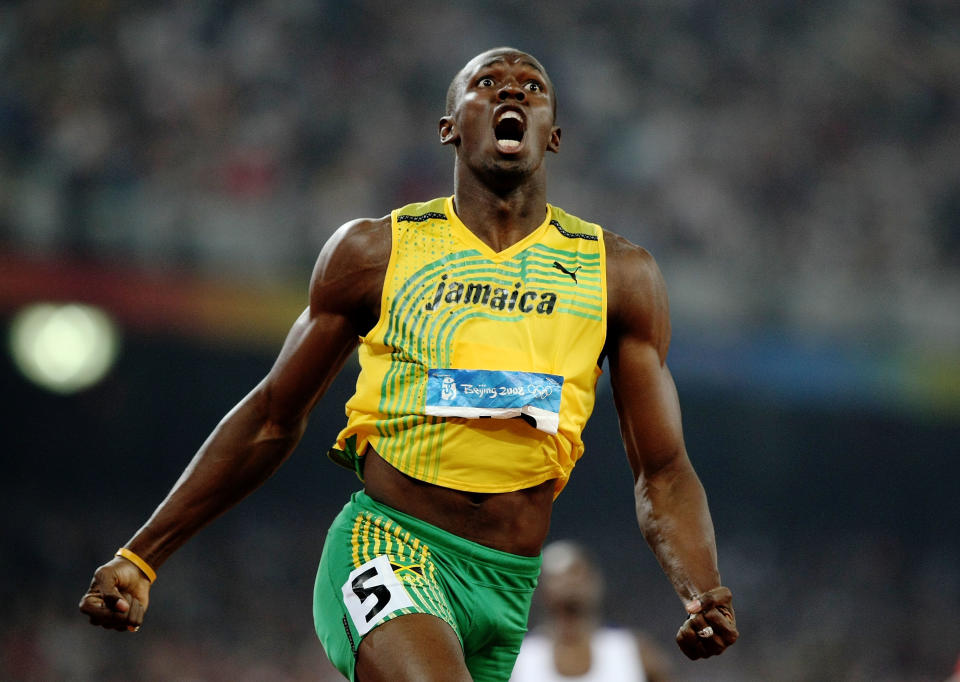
64,348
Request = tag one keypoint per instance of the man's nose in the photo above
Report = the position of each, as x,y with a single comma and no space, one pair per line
510,90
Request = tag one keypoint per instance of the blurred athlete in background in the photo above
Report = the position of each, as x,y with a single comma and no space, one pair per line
482,321
573,645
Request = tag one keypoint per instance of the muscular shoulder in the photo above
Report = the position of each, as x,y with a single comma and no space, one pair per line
636,294
348,276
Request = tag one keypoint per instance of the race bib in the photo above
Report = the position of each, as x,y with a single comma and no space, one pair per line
373,591
474,393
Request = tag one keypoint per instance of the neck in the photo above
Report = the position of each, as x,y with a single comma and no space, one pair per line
573,651
500,213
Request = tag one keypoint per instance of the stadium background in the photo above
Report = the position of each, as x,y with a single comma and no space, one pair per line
793,166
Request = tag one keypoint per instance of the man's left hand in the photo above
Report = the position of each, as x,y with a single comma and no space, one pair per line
711,626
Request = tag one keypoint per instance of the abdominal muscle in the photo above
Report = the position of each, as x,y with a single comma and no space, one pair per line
515,522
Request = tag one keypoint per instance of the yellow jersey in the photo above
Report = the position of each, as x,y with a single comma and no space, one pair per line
480,373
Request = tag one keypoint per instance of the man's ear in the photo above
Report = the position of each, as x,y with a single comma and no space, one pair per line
553,144
448,131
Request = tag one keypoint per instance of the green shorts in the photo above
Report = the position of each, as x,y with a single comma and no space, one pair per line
379,564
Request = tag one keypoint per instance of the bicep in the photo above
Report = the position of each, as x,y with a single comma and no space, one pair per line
344,295
647,406
315,350
644,391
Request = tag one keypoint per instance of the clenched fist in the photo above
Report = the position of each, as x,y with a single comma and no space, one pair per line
711,626
118,596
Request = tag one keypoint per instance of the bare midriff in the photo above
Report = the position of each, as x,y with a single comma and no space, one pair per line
515,522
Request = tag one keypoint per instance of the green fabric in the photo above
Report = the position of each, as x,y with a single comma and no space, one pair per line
482,593
348,458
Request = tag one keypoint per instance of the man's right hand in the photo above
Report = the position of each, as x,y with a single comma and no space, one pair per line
118,596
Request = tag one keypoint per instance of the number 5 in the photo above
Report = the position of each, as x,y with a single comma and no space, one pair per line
381,592
374,579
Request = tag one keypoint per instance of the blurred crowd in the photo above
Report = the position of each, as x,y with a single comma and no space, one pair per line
790,164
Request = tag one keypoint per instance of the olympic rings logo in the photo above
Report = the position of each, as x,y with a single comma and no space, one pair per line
540,391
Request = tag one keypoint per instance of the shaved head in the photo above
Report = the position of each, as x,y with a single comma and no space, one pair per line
457,85
570,575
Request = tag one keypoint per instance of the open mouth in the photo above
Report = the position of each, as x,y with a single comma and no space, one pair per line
508,130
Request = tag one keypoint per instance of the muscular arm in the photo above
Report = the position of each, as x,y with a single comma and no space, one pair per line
261,431
670,501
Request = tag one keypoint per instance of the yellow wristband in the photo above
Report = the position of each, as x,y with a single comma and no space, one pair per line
138,562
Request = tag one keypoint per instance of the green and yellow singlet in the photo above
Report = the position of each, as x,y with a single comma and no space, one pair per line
480,373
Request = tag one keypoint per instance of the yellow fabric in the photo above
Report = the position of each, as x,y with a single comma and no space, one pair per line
546,313
135,559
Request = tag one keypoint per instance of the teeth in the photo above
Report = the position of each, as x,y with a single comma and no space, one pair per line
506,144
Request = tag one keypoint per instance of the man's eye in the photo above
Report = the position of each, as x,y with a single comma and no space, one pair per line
485,82
534,86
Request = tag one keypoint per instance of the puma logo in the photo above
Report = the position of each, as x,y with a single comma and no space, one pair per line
572,273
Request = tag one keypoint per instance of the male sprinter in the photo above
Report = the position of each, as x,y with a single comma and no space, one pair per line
482,322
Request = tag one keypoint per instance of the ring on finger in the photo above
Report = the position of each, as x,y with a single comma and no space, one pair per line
705,632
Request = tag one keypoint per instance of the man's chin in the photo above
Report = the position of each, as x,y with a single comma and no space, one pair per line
511,165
